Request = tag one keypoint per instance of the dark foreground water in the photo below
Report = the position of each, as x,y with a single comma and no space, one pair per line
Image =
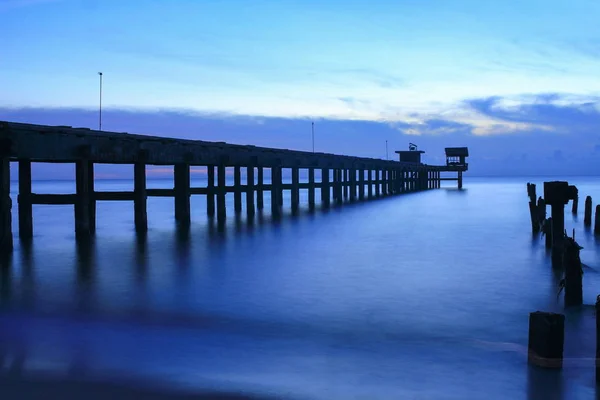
421,296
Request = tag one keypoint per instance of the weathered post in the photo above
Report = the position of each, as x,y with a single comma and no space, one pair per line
546,339
140,196
547,229
82,200
597,221
311,188
533,211
575,205
237,189
6,238
558,194
210,190
250,191
587,218
260,201
295,197
24,200
221,193
541,208
573,273
598,339
182,194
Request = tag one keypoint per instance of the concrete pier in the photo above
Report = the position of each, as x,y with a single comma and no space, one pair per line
343,178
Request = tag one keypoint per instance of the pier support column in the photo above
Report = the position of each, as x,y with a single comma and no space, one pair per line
402,181
182,194
352,185
361,184
250,191
558,194
295,195
311,188
260,202
237,189
24,200
340,186
140,198
377,183
390,182
221,193
82,201
346,183
275,191
370,183
460,183
210,188
597,340
597,221
546,339
575,205
325,190
6,237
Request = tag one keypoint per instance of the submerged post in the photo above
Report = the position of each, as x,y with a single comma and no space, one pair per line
575,205
24,200
6,238
139,202
573,273
587,218
548,232
533,211
546,339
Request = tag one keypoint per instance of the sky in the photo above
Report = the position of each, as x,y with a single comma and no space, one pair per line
516,81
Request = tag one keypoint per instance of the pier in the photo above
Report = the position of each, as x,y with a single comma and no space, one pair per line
343,178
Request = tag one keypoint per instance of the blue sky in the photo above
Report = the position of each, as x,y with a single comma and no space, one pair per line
446,71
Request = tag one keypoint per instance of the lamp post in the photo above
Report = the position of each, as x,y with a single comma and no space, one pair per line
100,113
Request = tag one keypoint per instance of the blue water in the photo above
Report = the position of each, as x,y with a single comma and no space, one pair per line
420,296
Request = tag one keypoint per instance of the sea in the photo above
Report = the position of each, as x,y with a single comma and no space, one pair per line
419,296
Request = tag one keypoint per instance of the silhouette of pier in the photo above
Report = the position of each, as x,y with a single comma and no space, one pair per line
343,178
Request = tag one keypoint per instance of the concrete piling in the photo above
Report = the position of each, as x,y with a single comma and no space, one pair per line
587,218
546,339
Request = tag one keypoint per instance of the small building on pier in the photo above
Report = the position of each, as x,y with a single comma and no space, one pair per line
412,155
456,156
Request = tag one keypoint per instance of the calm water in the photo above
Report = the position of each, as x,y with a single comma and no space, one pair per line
421,296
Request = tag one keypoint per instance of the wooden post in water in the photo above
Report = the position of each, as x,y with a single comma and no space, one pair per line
352,185
275,191
260,201
250,191
361,184
325,187
140,212
597,221
377,183
573,273
346,183
311,188
587,218
597,339
295,195
548,232
546,339
533,211
182,194
370,183
237,189
6,238
210,190
82,200
24,200
339,173
575,205
221,193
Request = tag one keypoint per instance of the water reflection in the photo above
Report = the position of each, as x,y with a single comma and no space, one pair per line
544,384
